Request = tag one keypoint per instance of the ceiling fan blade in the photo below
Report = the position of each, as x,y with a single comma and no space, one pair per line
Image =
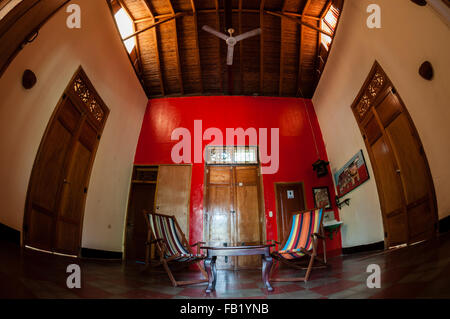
230,54
214,32
248,34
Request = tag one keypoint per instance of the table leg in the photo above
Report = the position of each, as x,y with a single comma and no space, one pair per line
211,263
267,262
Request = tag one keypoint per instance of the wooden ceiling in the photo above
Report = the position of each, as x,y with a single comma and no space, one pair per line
176,57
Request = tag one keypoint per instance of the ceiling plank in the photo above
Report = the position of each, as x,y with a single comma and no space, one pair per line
155,39
197,45
261,49
218,51
241,50
177,48
300,57
282,52
299,21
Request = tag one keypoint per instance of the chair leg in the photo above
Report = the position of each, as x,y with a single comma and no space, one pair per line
308,271
169,273
203,271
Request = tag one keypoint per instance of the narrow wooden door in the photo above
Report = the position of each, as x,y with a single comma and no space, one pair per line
233,212
142,197
59,181
402,174
220,211
173,193
290,200
248,221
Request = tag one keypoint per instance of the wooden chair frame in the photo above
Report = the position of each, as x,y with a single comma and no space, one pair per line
312,254
162,249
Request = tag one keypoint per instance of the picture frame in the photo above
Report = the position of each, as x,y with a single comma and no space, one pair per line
351,175
322,197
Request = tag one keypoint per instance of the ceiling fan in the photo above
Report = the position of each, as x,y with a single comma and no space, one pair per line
230,40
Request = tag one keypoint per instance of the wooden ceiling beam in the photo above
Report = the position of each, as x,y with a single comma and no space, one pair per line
261,48
241,50
197,45
282,53
299,21
217,10
300,54
203,11
177,48
155,40
179,14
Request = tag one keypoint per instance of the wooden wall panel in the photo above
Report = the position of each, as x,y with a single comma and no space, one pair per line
173,193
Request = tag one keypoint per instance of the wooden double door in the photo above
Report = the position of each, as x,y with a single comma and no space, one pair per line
402,174
59,181
233,212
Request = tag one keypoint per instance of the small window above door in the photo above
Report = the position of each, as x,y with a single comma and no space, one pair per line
231,155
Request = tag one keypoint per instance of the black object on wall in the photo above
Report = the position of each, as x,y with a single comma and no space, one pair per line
320,166
9,234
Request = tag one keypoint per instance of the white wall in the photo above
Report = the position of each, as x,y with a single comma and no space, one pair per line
55,56
409,36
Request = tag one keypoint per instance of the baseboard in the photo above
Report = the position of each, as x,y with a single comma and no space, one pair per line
100,254
9,234
363,248
444,225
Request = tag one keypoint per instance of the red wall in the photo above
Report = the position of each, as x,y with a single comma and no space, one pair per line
297,149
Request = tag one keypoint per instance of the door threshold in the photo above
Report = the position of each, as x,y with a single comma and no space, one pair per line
50,252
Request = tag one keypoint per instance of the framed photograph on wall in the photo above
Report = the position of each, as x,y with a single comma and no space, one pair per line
321,197
351,175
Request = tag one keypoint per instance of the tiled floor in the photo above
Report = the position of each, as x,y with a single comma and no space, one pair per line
418,271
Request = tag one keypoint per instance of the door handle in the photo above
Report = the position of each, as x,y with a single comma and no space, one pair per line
65,181
397,171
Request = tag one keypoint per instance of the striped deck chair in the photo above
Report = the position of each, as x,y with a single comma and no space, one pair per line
306,229
164,232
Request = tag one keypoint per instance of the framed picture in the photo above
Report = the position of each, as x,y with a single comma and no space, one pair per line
321,197
351,175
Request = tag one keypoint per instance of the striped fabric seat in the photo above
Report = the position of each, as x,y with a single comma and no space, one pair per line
164,228
303,226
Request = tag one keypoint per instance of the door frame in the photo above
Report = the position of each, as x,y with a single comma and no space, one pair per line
278,210
67,94
389,88
261,204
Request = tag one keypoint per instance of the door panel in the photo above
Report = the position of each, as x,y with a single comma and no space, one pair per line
391,195
142,196
248,223
173,193
219,208
49,169
412,166
287,207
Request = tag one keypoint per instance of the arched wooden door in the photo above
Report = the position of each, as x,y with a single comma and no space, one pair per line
403,177
59,181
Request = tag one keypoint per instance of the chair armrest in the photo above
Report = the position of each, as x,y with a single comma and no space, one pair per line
198,244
